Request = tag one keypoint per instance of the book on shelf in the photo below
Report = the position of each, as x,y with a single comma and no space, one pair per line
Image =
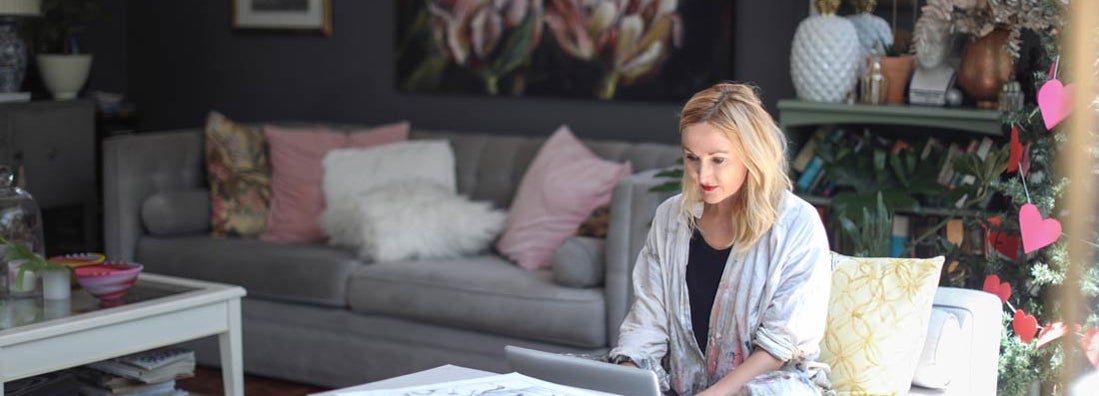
899,237
156,389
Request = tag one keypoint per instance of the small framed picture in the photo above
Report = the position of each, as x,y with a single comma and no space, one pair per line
288,15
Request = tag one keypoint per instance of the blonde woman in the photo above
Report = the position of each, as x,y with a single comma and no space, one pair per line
732,284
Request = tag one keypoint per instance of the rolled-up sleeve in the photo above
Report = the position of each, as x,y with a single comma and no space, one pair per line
793,324
643,335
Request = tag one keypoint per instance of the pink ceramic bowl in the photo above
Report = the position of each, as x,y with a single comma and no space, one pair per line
109,280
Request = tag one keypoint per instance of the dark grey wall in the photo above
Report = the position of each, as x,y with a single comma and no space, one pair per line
183,60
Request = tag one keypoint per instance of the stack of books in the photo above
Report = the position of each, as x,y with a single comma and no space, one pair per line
148,373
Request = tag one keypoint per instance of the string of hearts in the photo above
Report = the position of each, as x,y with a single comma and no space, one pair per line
1037,232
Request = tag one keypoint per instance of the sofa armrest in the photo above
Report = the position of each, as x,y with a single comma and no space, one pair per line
140,165
632,210
979,314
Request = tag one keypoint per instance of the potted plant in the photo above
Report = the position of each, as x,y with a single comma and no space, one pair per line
55,275
62,65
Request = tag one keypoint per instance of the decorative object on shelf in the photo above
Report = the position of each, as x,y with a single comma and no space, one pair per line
288,15
874,82
986,66
897,69
1011,97
997,27
954,97
13,51
825,55
63,67
108,281
873,31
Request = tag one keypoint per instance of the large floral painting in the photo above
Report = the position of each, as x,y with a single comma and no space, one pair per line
659,50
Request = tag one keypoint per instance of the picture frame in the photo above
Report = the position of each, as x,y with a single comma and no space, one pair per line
284,15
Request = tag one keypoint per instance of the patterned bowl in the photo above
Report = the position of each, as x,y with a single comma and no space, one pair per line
109,280
79,260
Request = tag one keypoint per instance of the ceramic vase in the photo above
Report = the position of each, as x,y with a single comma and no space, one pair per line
55,284
986,66
63,74
825,56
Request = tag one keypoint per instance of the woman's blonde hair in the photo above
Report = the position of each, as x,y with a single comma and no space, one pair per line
736,110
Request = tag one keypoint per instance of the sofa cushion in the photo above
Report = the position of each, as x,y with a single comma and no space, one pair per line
412,219
240,177
485,293
559,190
297,170
307,273
177,212
579,262
877,320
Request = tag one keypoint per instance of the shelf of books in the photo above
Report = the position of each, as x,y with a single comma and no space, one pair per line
846,154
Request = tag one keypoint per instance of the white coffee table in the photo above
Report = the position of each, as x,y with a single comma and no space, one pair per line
39,336
445,373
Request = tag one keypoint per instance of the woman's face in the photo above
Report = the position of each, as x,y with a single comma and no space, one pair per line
713,161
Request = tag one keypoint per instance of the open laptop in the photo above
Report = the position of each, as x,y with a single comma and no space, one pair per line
582,373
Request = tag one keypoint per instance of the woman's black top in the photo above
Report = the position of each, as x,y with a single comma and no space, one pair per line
704,268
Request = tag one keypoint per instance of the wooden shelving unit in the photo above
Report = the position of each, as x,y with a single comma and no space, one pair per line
799,113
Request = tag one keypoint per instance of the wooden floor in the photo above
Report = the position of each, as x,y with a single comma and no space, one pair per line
207,381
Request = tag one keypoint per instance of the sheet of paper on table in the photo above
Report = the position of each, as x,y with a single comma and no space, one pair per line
497,385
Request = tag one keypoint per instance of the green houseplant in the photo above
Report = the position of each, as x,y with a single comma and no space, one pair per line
55,275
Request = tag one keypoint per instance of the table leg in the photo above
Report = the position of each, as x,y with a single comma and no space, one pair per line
232,361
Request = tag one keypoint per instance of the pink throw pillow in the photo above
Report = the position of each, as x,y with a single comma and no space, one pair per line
297,171
564,183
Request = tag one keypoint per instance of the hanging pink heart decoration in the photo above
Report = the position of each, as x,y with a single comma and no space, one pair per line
994,286
1037,232
1055,102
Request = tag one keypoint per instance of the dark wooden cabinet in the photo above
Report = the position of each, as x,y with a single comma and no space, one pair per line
53,143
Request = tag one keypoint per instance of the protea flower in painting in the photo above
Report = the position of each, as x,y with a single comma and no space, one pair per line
629,38
491,38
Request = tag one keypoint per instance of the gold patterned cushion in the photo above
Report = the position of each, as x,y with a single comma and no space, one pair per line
877,319
240,177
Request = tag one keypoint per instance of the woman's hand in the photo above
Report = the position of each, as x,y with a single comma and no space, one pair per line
628,364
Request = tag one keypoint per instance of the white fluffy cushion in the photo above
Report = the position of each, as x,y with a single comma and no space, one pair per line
351,171
412,219
348,173
942,352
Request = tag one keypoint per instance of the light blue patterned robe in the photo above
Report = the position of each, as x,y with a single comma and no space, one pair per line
773,296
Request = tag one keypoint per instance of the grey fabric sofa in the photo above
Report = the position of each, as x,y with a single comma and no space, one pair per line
320,315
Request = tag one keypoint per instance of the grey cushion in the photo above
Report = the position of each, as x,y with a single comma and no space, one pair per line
484,293
307,273
177,212
578,262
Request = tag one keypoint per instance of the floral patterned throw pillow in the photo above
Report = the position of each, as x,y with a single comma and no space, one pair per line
240,177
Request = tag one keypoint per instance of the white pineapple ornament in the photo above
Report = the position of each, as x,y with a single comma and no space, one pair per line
872,29
825,57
